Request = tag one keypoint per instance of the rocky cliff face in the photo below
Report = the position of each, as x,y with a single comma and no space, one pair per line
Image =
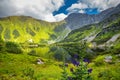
100,32
77,20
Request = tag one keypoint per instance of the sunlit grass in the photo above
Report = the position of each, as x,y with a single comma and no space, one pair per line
12,64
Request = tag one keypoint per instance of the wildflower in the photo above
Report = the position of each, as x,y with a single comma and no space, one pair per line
86,60
90,70
76,56
75,63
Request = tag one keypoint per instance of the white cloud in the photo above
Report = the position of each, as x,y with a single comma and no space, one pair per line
100,4
77,7
41,9
60,17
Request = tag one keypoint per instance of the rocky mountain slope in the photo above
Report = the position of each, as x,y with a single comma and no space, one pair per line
77,20
98,35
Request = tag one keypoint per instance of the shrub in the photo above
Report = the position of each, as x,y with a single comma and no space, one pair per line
1,28
33,53
36,28
2,44
53,36
99,61
16,33
110,74
30,31
7,34
29,72
12,47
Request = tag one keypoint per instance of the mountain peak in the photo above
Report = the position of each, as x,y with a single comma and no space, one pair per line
77,20
118,5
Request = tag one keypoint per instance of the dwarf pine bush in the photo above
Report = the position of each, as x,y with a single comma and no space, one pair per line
12,47
2,44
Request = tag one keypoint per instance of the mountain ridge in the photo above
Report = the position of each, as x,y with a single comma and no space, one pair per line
49,32
77,20
105,33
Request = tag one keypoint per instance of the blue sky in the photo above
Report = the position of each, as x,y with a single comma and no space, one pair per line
53,10
68,3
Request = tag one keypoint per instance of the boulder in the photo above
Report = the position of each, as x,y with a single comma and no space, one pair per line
39,61
108,59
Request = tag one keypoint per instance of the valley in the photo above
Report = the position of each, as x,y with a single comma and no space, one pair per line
32,49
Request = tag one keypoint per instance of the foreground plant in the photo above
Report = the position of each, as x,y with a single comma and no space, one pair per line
64,73
80,70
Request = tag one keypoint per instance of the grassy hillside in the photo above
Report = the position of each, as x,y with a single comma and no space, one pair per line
21,29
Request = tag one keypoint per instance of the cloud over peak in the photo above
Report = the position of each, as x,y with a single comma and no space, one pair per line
101,5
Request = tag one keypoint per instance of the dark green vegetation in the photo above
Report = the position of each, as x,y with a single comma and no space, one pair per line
16,34
12,47
7,34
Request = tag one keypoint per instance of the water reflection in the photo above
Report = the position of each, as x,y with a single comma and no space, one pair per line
58,52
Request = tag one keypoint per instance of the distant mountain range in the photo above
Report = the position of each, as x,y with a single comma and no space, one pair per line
92,28
77,20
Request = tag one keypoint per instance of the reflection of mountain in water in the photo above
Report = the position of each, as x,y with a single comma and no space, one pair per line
60,52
